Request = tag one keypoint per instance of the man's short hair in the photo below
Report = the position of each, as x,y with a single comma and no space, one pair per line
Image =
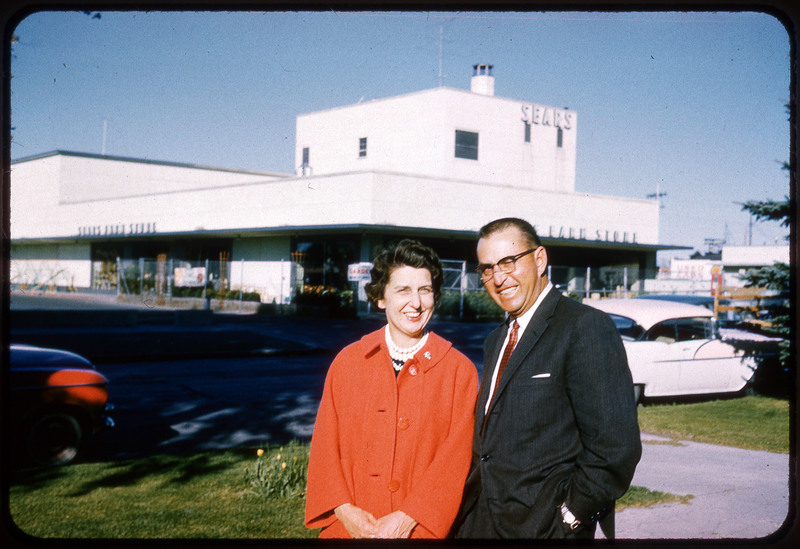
501,224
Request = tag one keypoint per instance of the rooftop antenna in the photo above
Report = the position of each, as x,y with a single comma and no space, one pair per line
440,57
105,130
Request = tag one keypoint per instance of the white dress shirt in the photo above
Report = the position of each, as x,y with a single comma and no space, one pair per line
523,321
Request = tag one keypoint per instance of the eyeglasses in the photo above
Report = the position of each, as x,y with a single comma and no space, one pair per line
507,265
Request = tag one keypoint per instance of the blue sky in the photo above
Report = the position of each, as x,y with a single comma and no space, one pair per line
689,104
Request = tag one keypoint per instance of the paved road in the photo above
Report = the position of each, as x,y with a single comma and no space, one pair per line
250,381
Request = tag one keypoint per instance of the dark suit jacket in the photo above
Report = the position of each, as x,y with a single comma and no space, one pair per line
562,428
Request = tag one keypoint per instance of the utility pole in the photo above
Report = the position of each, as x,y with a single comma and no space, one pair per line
657,195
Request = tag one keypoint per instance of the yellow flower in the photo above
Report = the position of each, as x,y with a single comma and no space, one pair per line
283,465
260,452
278,457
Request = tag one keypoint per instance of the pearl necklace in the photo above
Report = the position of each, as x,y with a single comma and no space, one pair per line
399,354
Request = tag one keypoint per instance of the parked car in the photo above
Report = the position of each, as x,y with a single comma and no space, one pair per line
725,318
675,348
706,301
56,401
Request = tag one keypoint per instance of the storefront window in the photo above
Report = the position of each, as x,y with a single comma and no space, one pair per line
324,261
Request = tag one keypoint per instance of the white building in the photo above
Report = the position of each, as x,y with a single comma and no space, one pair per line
445,133
736,260
433,165
694,275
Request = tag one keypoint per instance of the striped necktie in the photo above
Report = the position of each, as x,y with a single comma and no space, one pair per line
512,342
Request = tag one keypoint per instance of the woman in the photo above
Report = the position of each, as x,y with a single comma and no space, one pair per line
393,436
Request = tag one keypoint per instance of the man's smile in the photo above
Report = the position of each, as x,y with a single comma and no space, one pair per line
508,292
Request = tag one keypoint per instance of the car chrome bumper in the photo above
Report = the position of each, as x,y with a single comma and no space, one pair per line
107,419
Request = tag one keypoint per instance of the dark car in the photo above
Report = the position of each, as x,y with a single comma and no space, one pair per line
56,401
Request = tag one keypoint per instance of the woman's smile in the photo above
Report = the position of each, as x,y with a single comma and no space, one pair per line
408,301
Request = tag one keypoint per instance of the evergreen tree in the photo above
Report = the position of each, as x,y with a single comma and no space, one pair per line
777,276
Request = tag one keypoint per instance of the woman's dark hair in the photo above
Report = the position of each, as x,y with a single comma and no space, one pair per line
501,224
404,253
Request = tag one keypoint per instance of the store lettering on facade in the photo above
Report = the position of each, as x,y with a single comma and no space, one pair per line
581,233
547,116
117,229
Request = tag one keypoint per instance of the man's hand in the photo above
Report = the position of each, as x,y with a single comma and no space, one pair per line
395,525
359,523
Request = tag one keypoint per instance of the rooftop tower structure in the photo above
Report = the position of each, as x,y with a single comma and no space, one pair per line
482,79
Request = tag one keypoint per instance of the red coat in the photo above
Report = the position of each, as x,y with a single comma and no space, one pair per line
386,444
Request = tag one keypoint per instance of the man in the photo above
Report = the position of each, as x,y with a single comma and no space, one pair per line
556,441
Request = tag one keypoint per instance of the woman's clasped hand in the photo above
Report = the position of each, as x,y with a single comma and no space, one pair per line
361,524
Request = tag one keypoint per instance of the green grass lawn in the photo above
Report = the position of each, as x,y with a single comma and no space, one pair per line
204,495
754,423
212,495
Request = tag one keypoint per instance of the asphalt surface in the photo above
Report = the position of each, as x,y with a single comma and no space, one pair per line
731,494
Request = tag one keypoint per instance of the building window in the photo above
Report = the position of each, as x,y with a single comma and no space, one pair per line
466,145
305,156
560,138
527,132
362,147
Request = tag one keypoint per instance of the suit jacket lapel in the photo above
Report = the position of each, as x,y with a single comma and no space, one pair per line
532,333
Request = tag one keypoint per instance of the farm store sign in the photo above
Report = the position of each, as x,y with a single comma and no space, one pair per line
576,233
117,229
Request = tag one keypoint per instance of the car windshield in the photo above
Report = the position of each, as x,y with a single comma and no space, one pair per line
627,327
682,329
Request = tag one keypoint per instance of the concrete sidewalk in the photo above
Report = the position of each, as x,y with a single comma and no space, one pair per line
735,494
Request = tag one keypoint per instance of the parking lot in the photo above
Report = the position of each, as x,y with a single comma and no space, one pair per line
197,382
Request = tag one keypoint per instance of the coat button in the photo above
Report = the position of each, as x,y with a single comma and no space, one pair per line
403,423
412,370
393,486
485,457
